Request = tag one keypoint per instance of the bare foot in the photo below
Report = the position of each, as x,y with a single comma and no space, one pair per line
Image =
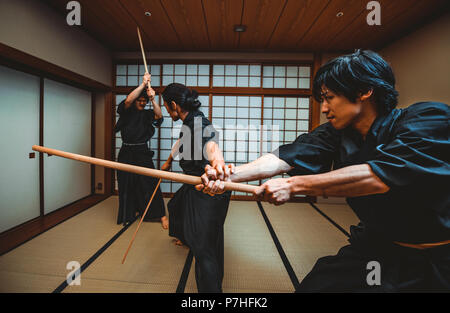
165,222
177,242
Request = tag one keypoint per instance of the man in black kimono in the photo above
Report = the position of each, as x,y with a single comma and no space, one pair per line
197,219
392,165
137,126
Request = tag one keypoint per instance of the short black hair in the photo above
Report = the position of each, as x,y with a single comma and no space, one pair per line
144,95
181,95
354,74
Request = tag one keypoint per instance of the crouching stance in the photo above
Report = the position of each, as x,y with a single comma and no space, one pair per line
391,164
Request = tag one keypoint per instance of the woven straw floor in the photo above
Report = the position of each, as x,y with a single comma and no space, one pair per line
154,264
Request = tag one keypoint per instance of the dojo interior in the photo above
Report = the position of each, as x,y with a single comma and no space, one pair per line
60,85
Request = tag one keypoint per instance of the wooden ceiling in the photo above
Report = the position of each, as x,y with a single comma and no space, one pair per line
272,25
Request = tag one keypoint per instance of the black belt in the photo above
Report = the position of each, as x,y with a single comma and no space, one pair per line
133,144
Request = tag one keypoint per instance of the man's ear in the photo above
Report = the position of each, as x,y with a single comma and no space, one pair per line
173,105
366,95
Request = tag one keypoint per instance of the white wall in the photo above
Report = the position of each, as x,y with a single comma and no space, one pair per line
34,28
421,63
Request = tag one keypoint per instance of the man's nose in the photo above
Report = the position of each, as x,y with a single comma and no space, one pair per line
324,107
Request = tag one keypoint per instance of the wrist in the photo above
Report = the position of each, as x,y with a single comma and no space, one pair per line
298,184
292,185
306,185
235,176
215,163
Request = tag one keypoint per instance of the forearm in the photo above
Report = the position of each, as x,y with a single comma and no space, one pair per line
351,181
214,154
157,110
174,152
266,166
134,95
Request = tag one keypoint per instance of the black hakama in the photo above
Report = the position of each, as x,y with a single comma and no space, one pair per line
197,219
409,150
135,191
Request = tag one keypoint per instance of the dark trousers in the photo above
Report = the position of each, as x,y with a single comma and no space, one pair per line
197,219
401,269
135,190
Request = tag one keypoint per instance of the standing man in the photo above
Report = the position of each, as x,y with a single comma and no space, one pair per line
137,126
197,219
391,164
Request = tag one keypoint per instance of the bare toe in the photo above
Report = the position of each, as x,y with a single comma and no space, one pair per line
165,222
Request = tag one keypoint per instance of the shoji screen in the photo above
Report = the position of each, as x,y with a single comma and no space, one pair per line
19,130
285,118
256,106
238,118
67,126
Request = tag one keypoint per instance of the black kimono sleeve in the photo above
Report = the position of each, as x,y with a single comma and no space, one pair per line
311,153
121,107
154,122
120,110
419,151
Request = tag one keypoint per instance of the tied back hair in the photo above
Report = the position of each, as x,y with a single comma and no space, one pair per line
355,74
181,95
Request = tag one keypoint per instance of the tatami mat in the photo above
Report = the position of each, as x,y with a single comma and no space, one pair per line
47,255
155,264
305,235
340,213
251,258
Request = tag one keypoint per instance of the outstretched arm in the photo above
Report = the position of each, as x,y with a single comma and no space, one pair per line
350,181
266,166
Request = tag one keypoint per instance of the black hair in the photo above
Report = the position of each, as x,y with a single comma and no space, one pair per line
183,96
354,74
144,95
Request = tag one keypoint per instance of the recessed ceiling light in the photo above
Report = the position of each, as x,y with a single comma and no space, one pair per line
147,13
339,14
240,28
